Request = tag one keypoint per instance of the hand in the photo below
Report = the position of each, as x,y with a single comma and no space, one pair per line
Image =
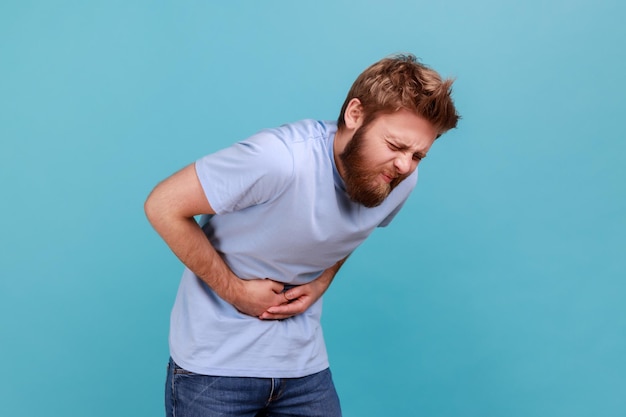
296,300
257,295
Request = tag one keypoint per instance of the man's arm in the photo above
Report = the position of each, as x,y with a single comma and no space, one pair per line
171,208
303,296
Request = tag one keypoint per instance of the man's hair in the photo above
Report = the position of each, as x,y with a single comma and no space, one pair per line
402,82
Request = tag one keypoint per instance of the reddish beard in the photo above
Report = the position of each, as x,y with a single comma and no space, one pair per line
363,184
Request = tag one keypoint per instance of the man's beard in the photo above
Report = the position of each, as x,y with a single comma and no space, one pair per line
362,184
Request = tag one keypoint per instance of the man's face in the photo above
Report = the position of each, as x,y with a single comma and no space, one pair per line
383,153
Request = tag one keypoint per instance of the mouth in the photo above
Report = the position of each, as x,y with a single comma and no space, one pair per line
387,178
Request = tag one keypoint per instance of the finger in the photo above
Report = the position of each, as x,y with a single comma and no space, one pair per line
294,307
295,292
277,287
269,316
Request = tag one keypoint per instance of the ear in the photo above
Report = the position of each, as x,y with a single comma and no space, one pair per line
354,114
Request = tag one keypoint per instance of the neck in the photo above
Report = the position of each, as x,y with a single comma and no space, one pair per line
342,137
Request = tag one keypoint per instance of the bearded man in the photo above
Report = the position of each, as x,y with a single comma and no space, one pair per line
280,213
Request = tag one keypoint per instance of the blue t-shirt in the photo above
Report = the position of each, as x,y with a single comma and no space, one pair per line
282,213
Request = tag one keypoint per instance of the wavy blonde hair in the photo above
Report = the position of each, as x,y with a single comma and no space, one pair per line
402,82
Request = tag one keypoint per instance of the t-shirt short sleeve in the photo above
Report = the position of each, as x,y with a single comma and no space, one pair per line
247,173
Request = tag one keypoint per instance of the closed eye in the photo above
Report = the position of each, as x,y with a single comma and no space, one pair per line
393,147
418,156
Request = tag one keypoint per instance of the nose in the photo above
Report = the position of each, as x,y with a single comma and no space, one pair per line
403,163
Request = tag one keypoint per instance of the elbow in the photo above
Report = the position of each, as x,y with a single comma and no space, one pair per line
152,208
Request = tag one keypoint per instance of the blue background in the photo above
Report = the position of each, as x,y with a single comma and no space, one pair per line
498,291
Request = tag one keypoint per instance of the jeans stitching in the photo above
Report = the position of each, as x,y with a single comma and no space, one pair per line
173,393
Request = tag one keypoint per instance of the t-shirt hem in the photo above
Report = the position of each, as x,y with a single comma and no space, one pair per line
251,373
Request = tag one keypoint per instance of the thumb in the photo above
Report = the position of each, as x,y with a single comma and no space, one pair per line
276,286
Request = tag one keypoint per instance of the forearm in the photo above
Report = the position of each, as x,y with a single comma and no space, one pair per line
188,242
326,277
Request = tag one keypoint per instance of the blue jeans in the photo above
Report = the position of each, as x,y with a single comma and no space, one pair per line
193,395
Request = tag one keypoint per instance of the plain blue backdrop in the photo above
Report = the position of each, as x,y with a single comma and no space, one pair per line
498,291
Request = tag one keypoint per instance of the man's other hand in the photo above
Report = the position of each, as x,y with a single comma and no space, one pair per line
295,301
257,295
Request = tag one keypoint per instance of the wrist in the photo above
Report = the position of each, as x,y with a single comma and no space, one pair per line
233,290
